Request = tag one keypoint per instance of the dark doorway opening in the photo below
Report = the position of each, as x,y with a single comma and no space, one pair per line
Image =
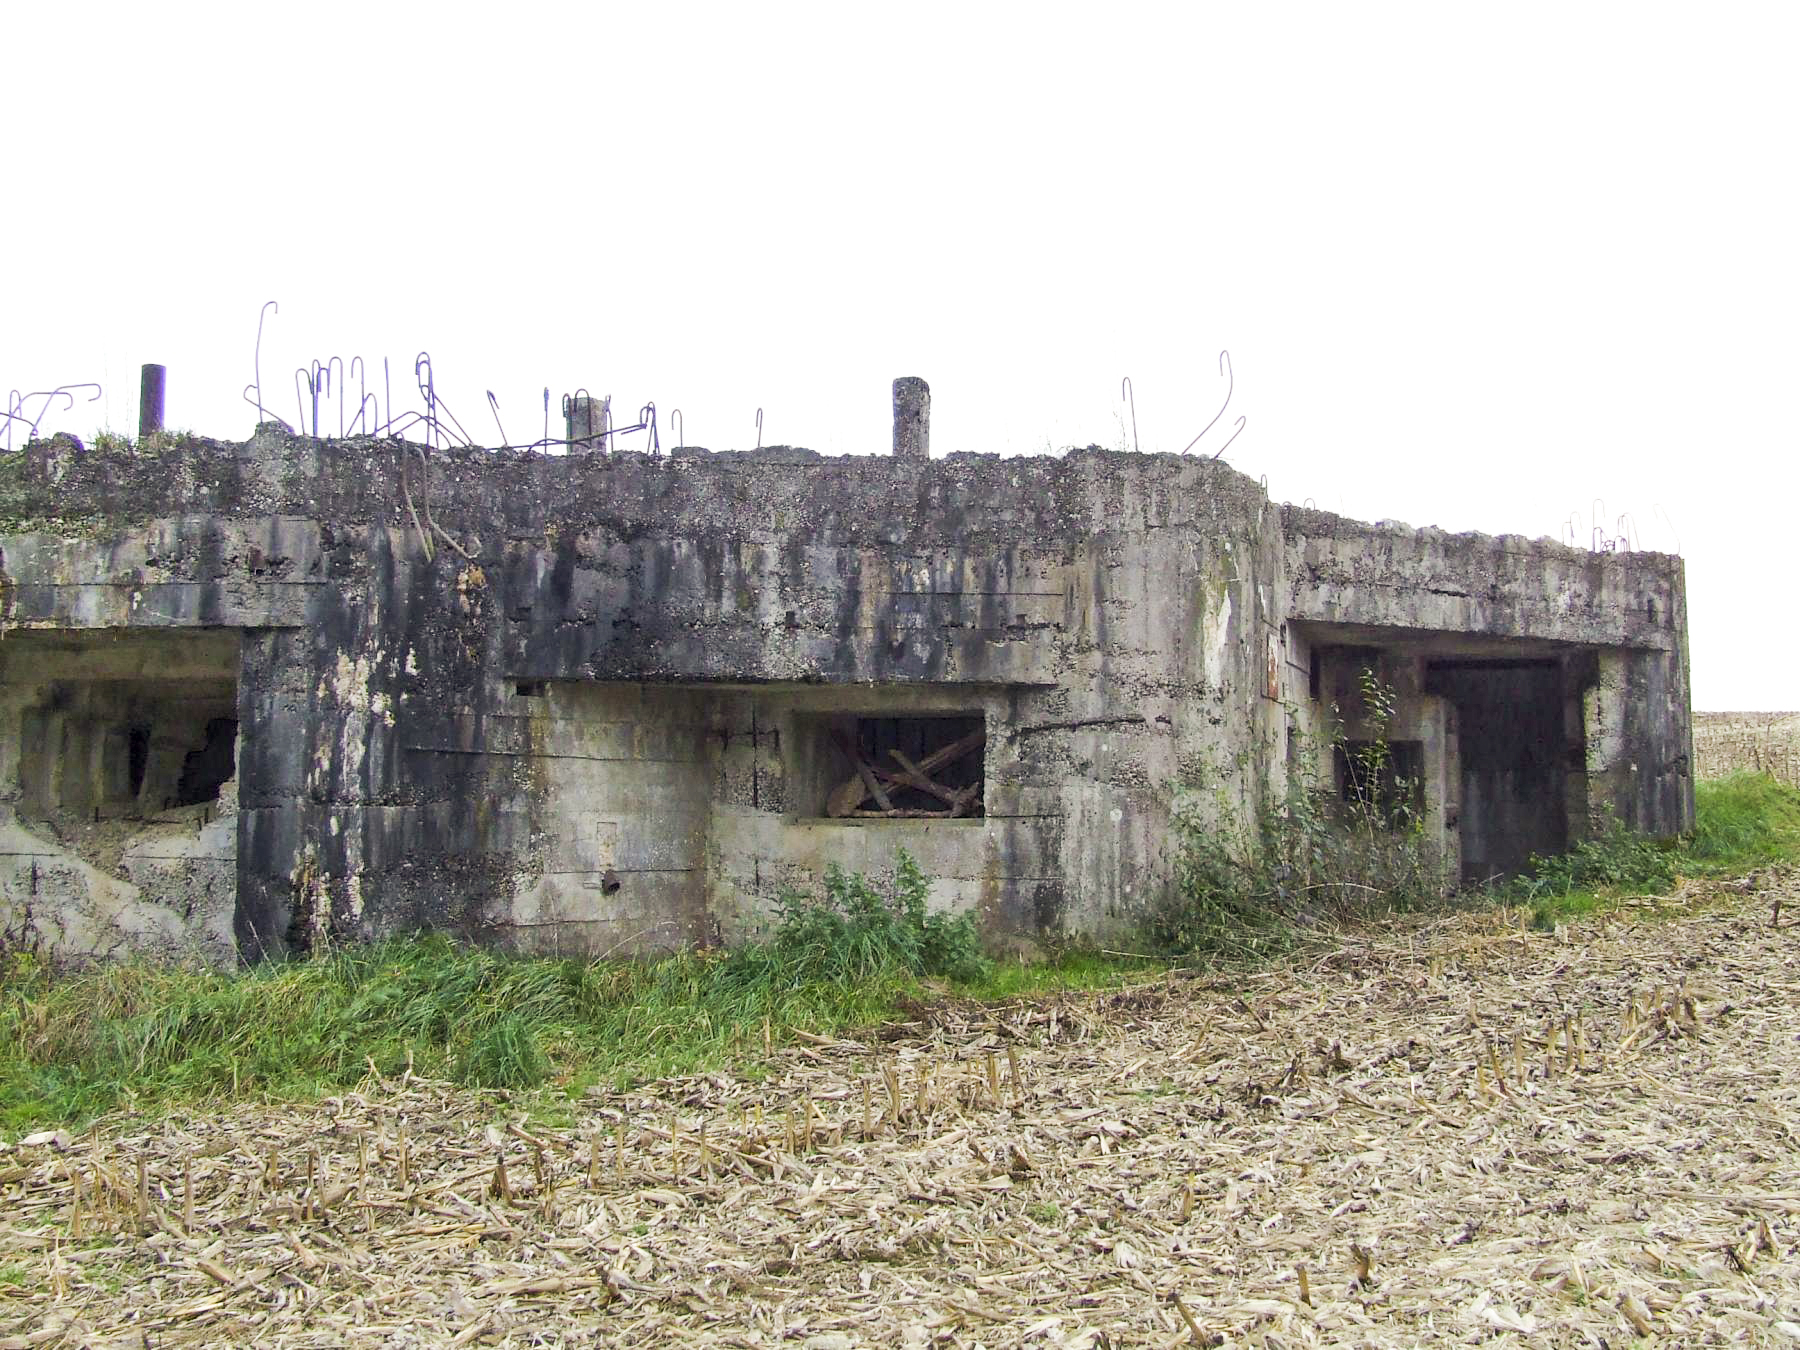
138,752
1513,749
206,770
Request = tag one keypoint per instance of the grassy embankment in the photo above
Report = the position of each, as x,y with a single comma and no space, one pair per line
75,1044
1741,822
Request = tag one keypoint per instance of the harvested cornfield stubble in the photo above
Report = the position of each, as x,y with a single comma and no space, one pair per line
1456,1130
1748,742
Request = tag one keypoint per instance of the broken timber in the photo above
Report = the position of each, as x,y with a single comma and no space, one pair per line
871,780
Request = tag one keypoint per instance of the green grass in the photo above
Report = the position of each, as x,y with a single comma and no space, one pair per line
75,1044
78,1044
1745,820
1073,967
1741,822
1559,907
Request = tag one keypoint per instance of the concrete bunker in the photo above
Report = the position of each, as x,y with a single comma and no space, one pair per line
645,695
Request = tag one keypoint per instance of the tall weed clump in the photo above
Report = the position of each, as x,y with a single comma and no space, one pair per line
1311,854
856,931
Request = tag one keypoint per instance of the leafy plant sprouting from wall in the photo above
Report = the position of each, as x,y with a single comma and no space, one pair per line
857,931
1246,883
1376,799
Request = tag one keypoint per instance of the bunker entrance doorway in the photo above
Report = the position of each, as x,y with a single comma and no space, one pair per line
1514,750
114,729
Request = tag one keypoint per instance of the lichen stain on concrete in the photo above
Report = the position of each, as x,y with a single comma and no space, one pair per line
1218,639
349,685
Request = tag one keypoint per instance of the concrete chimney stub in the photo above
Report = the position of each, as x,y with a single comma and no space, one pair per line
912,418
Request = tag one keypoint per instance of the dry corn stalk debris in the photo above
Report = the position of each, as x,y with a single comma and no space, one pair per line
1453,1131
1734,742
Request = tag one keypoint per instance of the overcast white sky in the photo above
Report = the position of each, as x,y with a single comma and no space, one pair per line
1475,268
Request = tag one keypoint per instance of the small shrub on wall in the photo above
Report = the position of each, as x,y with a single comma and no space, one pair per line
1314,852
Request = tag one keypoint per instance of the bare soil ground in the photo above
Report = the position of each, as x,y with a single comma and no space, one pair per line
1452,1131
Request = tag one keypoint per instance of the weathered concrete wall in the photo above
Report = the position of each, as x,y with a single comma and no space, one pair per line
583,703
1609,737
1393,576
770,831
620,800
